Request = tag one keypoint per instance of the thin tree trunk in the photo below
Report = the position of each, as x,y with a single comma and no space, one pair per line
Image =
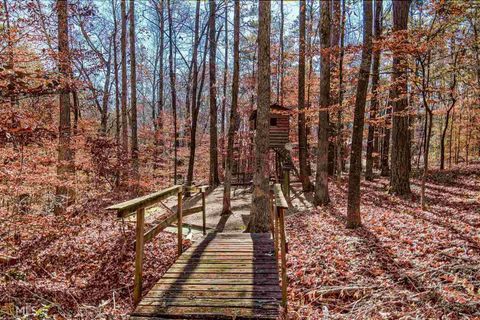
282,71
309,54
426,149
384,163
172,88
353,208
123,49
400,171
450,141
133,96
260,218
159,120
106,94
321,181
374,101
339,140
214,180
453,101
234,119
225,76
194,102
65,193
302,129
117,90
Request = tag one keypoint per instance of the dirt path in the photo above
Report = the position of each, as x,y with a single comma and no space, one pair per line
241,200
235,222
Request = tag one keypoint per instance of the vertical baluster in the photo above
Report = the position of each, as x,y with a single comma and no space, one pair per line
180,221
137,289
204,212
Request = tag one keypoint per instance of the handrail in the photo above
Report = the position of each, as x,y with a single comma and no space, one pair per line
129,207
138,205
278,206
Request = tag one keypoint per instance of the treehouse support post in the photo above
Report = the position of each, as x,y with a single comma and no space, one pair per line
286,183
137,289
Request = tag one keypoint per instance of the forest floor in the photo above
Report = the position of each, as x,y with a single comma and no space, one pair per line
403,262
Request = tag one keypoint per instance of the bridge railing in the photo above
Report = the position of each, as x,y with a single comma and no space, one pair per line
277,210
137,207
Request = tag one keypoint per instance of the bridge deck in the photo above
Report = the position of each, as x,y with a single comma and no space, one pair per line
223,276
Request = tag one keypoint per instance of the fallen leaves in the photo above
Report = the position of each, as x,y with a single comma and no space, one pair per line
403,262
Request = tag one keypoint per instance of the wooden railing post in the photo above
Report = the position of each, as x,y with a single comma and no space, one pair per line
137,289
272,212
283,240
204,213
179,222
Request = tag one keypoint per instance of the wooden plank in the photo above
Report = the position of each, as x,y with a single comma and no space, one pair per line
209,302
125,208
206,312
270,264
154,231
210,287
220,270
222,276
226,260
193,294
233,250
214,295
232,281
231,255
189,211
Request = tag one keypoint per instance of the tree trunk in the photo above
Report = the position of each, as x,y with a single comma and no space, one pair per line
426,149
282,22
339,140
214,180
234,119
123,49
106,94
159,120
133,96
384,161
194,102
353,208
450,141
65,193
259,217
400,171
321,181
225,78
117,90
172,88
302,129
453,100
374,101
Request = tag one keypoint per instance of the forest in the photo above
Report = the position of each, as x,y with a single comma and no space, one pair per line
360,118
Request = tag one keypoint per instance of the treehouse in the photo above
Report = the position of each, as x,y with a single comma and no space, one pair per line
280,147
279,126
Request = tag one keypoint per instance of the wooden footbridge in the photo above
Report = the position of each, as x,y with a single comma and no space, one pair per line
222,276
